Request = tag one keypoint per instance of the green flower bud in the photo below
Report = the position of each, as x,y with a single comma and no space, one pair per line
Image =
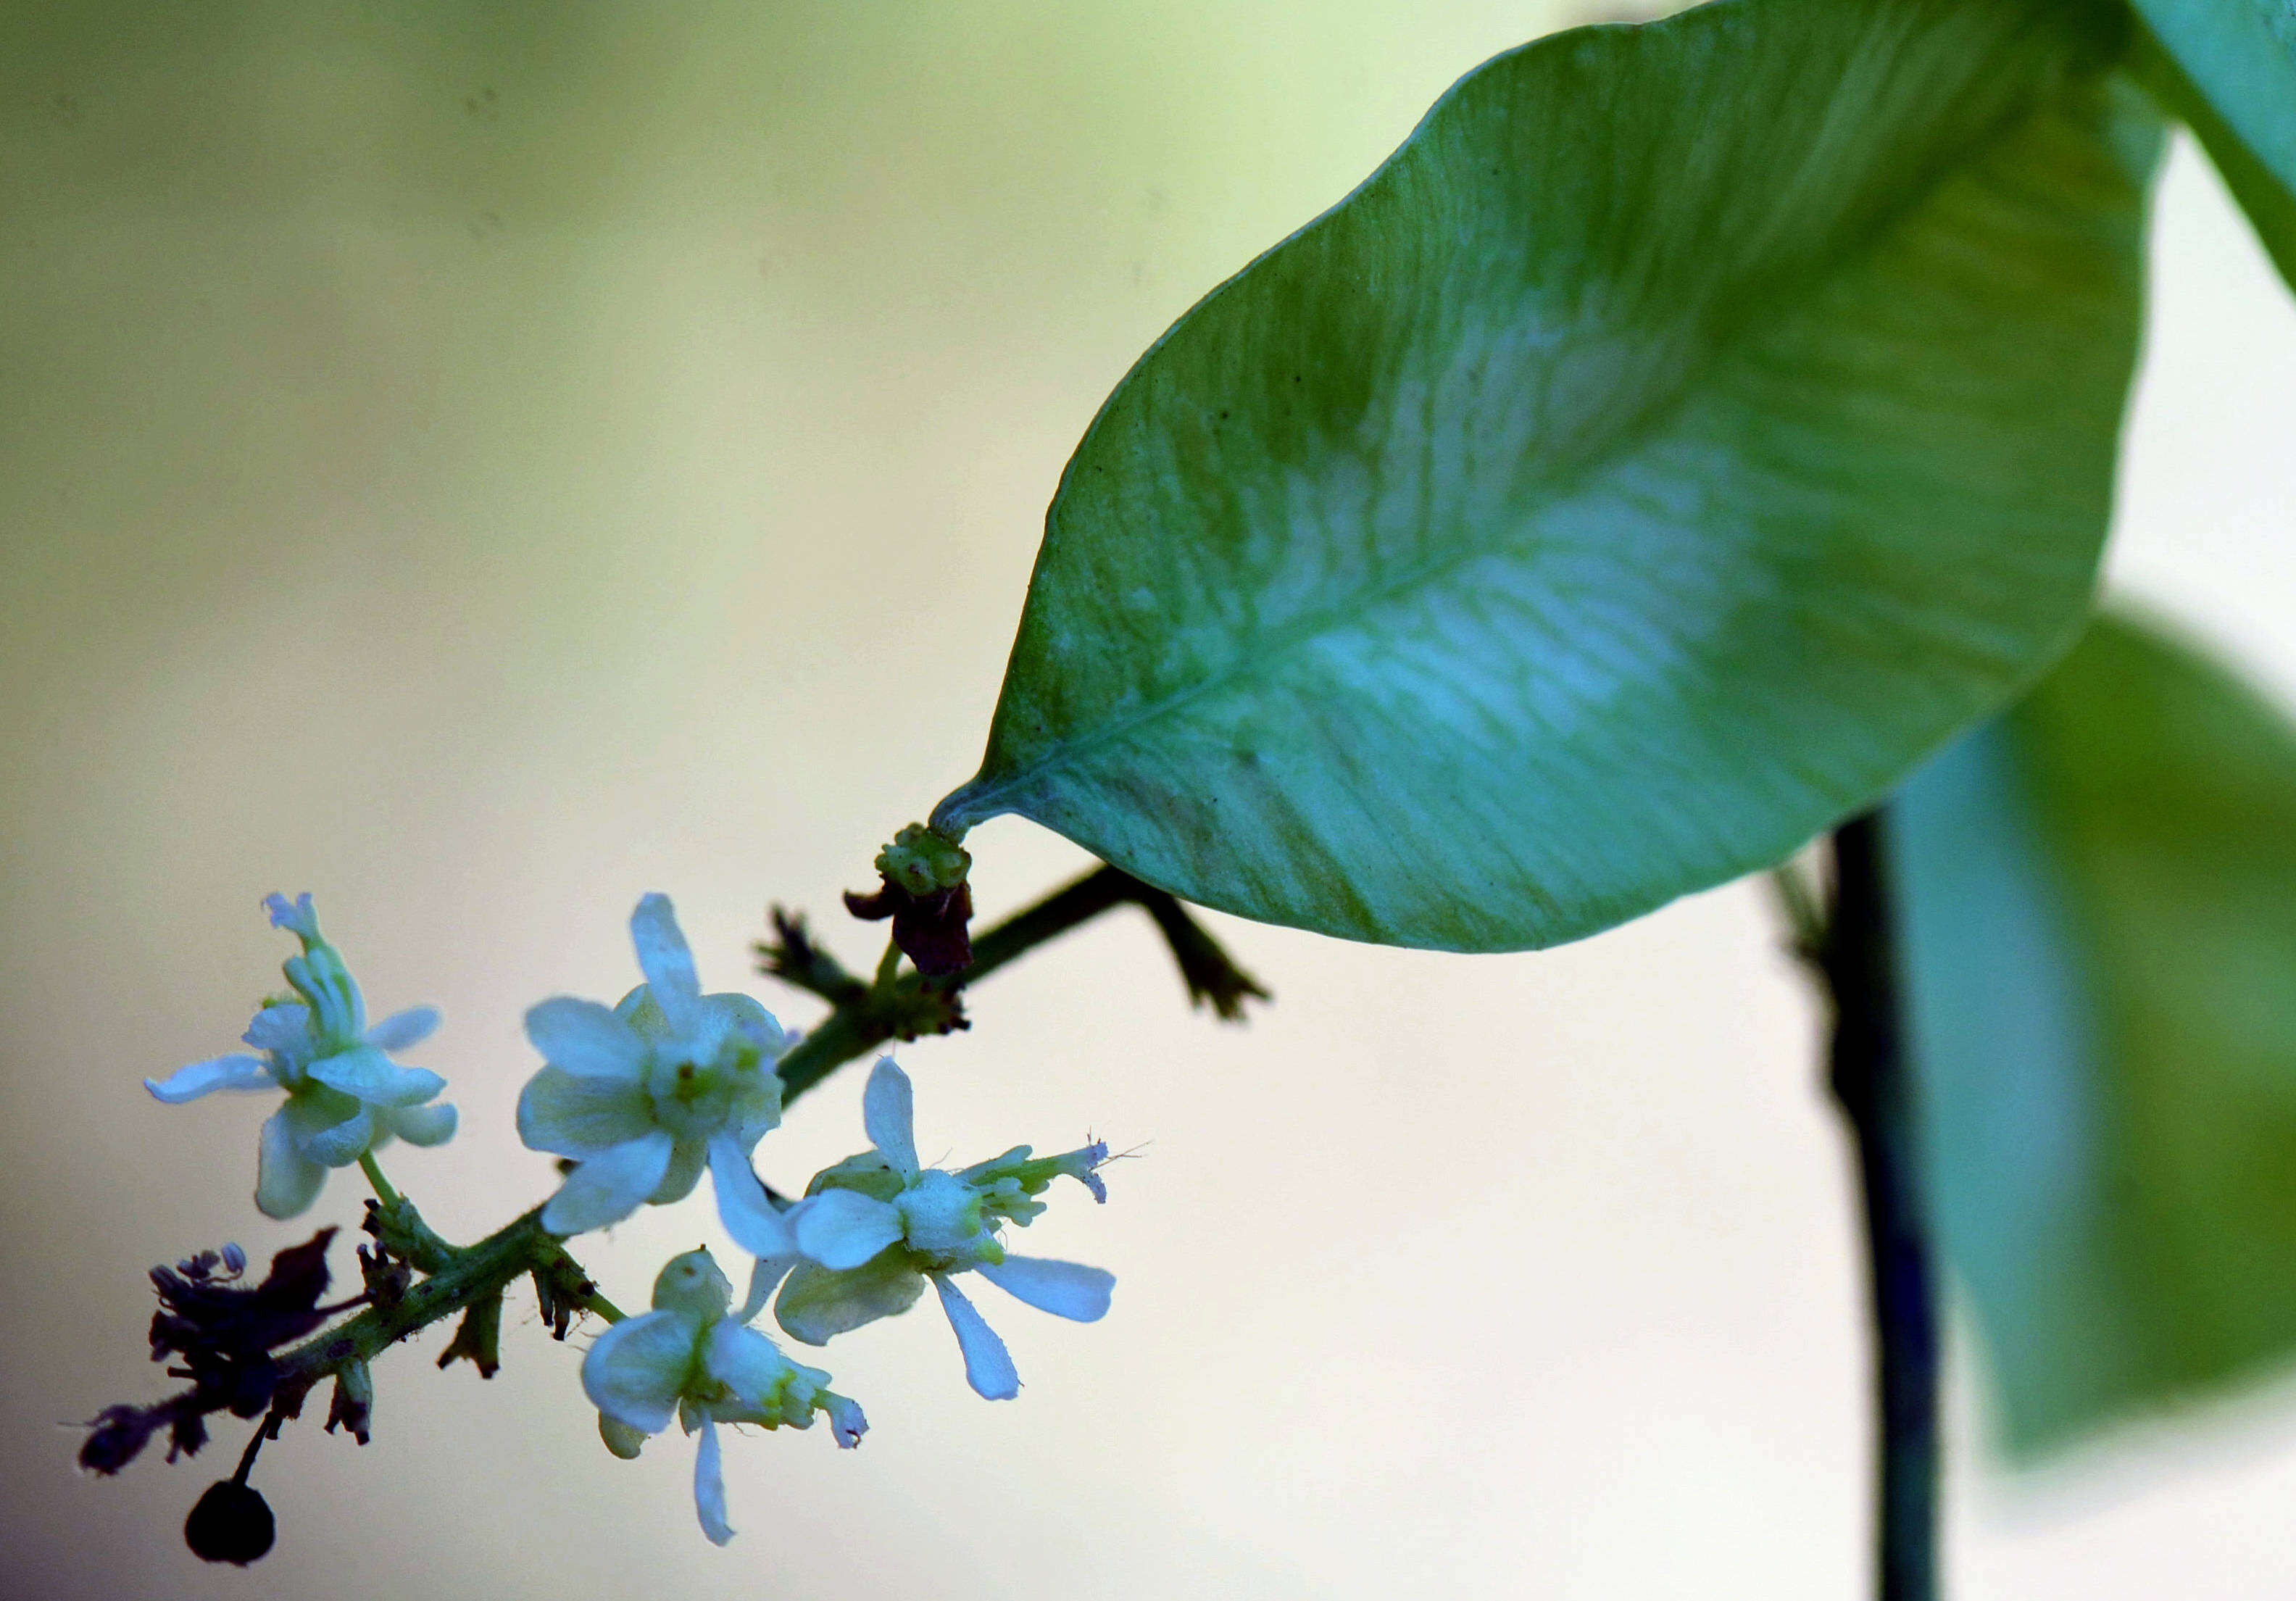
921,861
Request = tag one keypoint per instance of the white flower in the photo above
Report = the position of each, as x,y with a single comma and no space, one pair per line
876,1227
694,1359
644,1093
345,1096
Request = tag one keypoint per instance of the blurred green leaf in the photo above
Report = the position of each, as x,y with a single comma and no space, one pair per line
2098,895
1684,432
2228,68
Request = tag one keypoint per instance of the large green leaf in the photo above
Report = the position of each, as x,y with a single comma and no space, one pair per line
1688,429
2228,68
2098,896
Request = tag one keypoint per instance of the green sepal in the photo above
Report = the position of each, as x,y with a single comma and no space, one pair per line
816,1305
866,1171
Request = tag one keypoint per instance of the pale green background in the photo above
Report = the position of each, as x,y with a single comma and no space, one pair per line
480,470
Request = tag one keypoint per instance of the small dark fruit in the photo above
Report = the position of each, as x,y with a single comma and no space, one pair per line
231,1522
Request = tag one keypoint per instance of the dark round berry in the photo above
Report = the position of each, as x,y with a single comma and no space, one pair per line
231,1522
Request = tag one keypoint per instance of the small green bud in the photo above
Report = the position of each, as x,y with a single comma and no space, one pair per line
923,862
693,1284
620,1438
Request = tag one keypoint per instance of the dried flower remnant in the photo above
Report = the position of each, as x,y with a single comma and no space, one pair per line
925,892
224,1333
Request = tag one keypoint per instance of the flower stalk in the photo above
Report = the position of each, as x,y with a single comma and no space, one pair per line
373,1171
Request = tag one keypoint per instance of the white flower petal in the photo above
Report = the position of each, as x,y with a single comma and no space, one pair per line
609,1187
431,1125
336,1143
286,1181
843,1228
401,1030
570,1115
635,1371
756,1110
757,1225
745,1360
685,1164
988,1364
889,1114
709,1487
847,1421
295,915
205,1077
586,1038
750,1018
667,961
285,1028
367,1073
1064,1289
764,1274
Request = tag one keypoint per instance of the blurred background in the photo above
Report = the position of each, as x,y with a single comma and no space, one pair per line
479,464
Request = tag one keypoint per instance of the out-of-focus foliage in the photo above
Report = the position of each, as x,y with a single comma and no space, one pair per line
2099,904
1684,432
2228,68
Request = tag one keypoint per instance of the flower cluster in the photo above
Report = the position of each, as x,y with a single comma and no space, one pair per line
640,1099
644,1095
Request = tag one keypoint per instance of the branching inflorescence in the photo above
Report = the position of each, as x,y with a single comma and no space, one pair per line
638,1100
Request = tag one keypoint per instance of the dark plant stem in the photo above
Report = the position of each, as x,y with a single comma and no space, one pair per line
1869,1076
247,1456
458,1276
1055,914
866,1017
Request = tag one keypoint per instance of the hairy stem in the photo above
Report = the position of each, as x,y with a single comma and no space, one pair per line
1871,1081
465,1276
1055,914
847,1032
